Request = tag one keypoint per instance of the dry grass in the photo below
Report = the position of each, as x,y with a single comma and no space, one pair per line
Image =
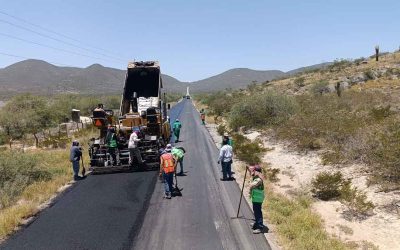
30,201
297,226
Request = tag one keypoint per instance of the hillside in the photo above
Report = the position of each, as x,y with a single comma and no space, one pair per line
335,124
38,76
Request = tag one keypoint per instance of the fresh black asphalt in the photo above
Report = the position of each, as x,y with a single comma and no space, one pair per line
128,211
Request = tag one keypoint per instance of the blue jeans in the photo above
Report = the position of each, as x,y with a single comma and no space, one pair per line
258,216
75,168
181,165
168,181
226,170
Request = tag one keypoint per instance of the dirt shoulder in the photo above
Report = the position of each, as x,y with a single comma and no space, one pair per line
297,170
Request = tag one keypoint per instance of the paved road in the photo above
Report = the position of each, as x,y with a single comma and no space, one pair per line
127,210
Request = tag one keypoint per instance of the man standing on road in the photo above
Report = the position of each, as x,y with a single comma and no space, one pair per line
203,116
75,157
167,170
257,198
112,143
225,158
176,127
178,153
133,148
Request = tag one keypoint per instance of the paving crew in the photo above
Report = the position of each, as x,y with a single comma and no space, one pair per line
225,158
75,157
176,127
257,198
203,116
178,153
167,170
133,148
112,143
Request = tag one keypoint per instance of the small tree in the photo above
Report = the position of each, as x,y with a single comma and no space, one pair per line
26,114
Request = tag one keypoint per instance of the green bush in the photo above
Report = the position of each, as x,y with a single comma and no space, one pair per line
221,129
17,171
299,81
261,110
327,186
356,201
247,150
320,87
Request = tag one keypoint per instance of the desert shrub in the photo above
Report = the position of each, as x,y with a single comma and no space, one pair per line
320,87
17,171
221,102
356,201
327,186
300,81
380,113
247,150
384,155
370,74
261,110
221,129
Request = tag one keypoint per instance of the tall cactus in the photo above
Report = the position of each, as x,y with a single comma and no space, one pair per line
377,52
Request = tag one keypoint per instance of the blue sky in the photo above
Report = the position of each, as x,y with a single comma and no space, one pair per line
197,39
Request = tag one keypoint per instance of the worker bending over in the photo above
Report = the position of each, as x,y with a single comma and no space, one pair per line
257,198
176,127
178,153
134,151
167,170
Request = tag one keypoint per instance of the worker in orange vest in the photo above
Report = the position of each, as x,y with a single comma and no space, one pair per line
167,170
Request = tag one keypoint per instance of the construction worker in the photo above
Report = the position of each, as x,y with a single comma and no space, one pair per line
112,143
75,157
134,151
176,127
257,198
167,170
203,116
226,137
225,158
178,153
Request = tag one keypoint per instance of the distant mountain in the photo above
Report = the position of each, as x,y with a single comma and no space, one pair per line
38,76
235,79
302,69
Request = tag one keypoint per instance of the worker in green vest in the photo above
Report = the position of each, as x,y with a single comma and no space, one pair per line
257,198
176,127
112,144
178,153
227,138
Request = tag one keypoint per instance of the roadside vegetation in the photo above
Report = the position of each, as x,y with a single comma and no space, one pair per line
348,112
30,176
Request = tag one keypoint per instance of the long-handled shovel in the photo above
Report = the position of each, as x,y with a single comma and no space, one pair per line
83,168
177,190
241,194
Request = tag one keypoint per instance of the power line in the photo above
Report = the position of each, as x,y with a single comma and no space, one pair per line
23,57
59,34
48,46
52,38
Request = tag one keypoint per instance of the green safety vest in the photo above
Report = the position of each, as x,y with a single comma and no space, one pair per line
178,153
177,125
113,142
257,194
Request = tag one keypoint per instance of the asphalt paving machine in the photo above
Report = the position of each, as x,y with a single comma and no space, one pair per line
143,110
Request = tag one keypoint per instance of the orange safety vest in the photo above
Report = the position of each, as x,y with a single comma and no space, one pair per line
168,163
